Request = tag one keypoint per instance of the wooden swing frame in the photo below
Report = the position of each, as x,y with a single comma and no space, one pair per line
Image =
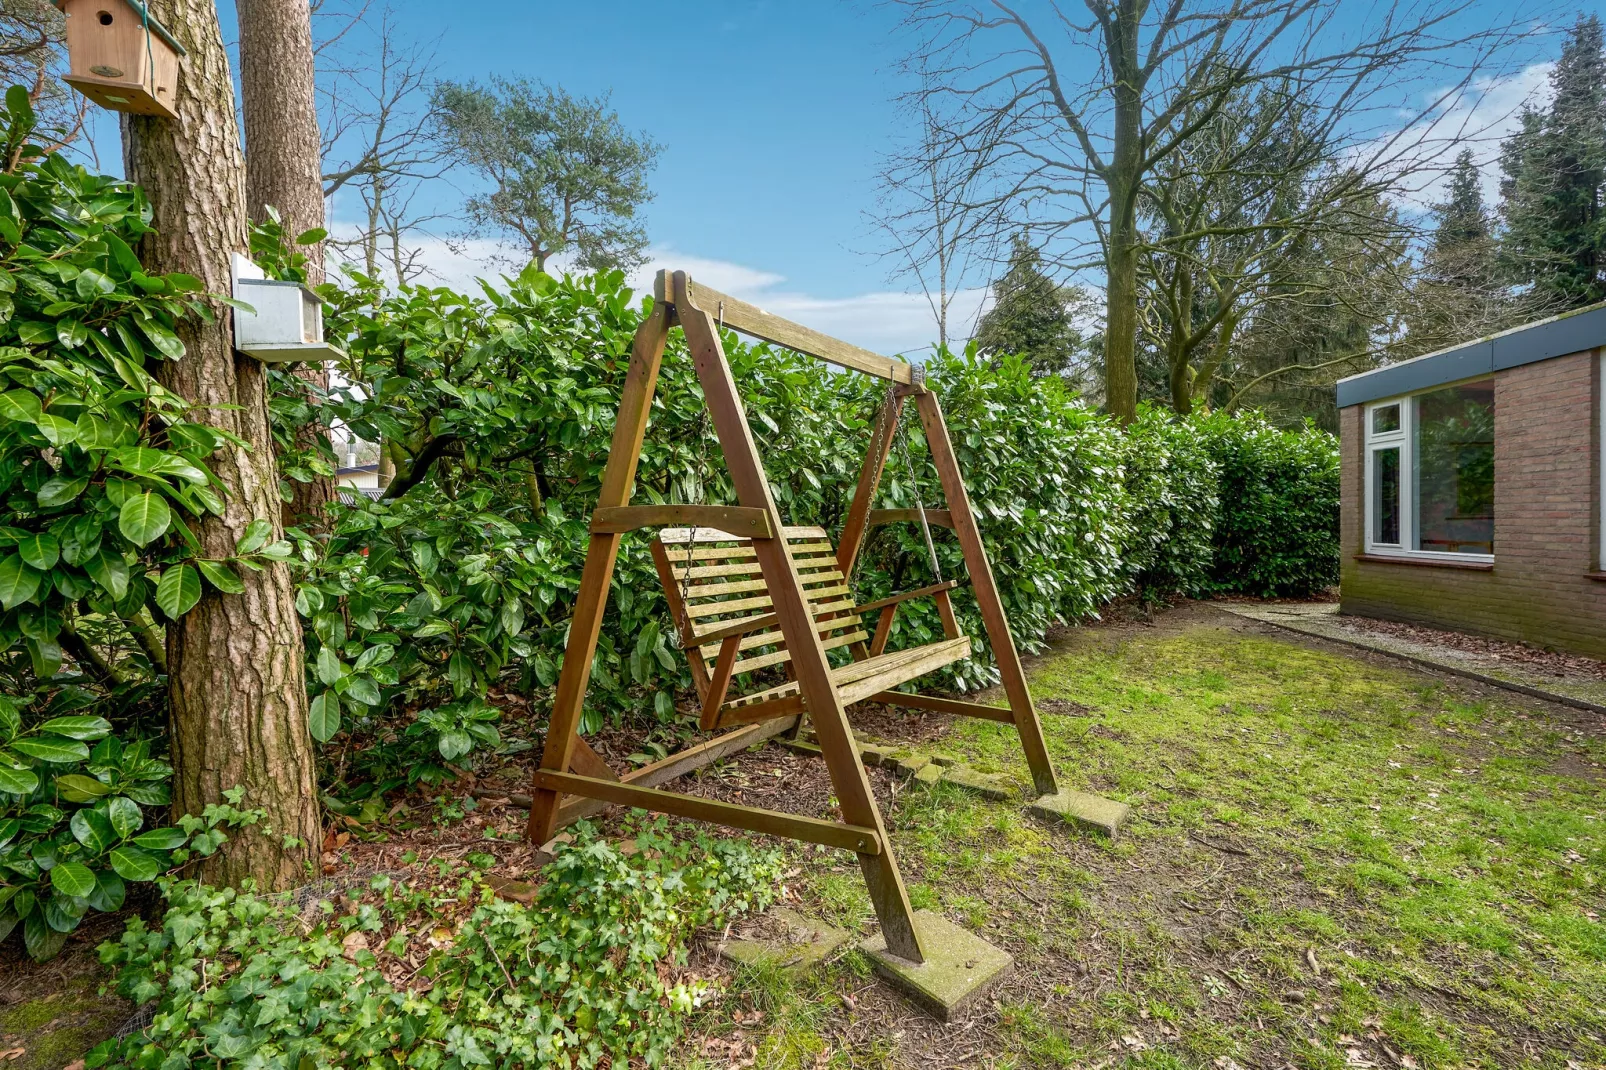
572,781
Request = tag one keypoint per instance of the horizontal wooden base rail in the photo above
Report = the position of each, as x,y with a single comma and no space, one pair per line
944,705
941,518
855,838
662,771
744,523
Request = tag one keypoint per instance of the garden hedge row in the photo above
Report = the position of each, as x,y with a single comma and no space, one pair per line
464,574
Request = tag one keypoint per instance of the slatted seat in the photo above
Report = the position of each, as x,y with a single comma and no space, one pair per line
722,608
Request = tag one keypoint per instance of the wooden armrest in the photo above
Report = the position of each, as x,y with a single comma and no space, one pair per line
725,631
892,600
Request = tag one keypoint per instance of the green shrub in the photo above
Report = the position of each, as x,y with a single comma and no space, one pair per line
423,602
1278,532
585,976
1173,483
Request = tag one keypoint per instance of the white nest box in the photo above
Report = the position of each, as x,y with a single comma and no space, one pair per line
285,323
121,58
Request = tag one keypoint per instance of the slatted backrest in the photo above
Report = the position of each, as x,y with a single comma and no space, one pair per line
714,580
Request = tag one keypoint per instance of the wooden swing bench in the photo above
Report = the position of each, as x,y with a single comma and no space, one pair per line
768,607
722,606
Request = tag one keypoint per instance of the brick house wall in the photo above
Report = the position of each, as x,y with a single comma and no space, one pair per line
1544,587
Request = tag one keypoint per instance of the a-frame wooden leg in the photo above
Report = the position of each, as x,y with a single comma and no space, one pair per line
875,462
987,598
618,480
797,625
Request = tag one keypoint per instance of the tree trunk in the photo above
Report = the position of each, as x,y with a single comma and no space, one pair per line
1121,321
236,685
1181,379
1124,179
282,168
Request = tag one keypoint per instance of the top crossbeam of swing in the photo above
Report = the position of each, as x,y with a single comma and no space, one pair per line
749,319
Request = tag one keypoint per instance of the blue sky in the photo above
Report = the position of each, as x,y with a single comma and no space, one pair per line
772,117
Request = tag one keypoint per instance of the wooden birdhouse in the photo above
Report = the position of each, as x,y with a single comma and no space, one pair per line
121,57
285,321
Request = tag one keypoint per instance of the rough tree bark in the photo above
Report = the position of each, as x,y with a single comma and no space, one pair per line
236,685
283,166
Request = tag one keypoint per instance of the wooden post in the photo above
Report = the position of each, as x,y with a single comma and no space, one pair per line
797,625
987,598
618,480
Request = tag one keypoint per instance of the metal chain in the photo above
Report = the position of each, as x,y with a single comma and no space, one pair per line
914,484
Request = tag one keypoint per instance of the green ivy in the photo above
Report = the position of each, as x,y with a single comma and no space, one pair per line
584,977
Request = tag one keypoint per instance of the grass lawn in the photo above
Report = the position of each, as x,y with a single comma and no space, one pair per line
1336,862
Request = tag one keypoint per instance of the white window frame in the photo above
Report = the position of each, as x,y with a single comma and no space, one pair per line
1405,440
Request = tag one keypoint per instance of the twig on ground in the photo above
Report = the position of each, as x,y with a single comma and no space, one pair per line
1222,847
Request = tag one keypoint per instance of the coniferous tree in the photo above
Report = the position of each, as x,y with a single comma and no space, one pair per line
1463,249
1032,315
1554,172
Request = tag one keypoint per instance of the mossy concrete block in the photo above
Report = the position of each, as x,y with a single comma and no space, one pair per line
929,774
1091,812
874,754
988,787
910,764
784,939
803,747
960,967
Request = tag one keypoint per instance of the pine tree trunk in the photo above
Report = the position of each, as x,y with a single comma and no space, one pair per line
282,167
236,684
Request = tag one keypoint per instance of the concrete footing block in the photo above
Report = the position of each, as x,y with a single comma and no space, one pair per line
783,939
1091,812
988,787
960,967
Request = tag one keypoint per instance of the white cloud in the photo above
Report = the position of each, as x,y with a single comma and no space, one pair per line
885,321
1478,118
888,321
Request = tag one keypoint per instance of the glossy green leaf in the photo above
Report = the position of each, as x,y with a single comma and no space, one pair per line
92,829
362,689
221,576
18,581
78,726
110,571
165,839
133,864
328,666
41,550
143,518
166,343
51,749
60,490
178,590
72,878
78,788
18,781
20,405
125,816
255,537
323,716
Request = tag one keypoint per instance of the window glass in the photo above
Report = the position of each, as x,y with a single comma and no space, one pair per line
1385,418
1453,499
1386,496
